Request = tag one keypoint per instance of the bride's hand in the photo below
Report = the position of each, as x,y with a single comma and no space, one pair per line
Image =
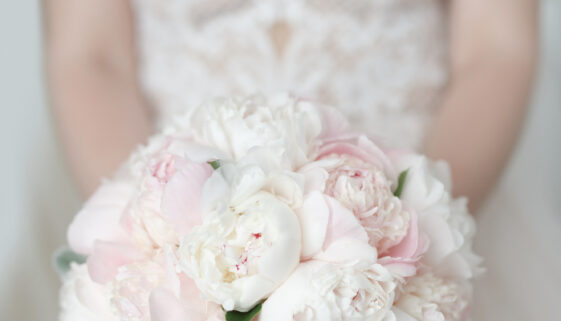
493,53
92,76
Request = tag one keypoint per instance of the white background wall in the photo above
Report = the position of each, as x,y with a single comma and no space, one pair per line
37,198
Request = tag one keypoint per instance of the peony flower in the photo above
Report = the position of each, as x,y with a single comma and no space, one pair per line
166,204
446,222
270,200
149,203
237,125
319,291
127,220
239,257
249,241
360,176
82,299
429,298
147,289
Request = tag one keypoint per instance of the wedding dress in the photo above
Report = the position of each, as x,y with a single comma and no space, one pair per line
382,62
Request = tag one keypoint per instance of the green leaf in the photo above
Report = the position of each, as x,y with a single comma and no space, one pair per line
243,316
401,183
215,164
63,259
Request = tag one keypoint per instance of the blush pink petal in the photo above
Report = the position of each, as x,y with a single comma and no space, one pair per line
166,166
402,259
191,298
170,263
107,257
182,196
324,222
342,224
411,244
165,306
377,155
314,217
343,148
361,147
99,218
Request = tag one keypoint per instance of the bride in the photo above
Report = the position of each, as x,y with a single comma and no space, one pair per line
448,78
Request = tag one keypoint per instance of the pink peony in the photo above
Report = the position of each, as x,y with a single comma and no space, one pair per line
127,224
166,204
358,174
147,289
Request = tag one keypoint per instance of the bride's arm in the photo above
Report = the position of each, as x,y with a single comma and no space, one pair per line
93,87
493,53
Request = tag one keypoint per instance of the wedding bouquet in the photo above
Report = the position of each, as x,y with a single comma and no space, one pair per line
270,209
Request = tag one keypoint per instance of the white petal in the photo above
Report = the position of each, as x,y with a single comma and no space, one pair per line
314,217
348,250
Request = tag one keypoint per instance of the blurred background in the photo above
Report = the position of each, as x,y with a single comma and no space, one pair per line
38,198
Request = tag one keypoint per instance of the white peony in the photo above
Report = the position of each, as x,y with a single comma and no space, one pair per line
237,125
319,291
249,241
82,299
445,221
429,298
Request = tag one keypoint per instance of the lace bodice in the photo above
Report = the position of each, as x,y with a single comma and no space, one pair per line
382,62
